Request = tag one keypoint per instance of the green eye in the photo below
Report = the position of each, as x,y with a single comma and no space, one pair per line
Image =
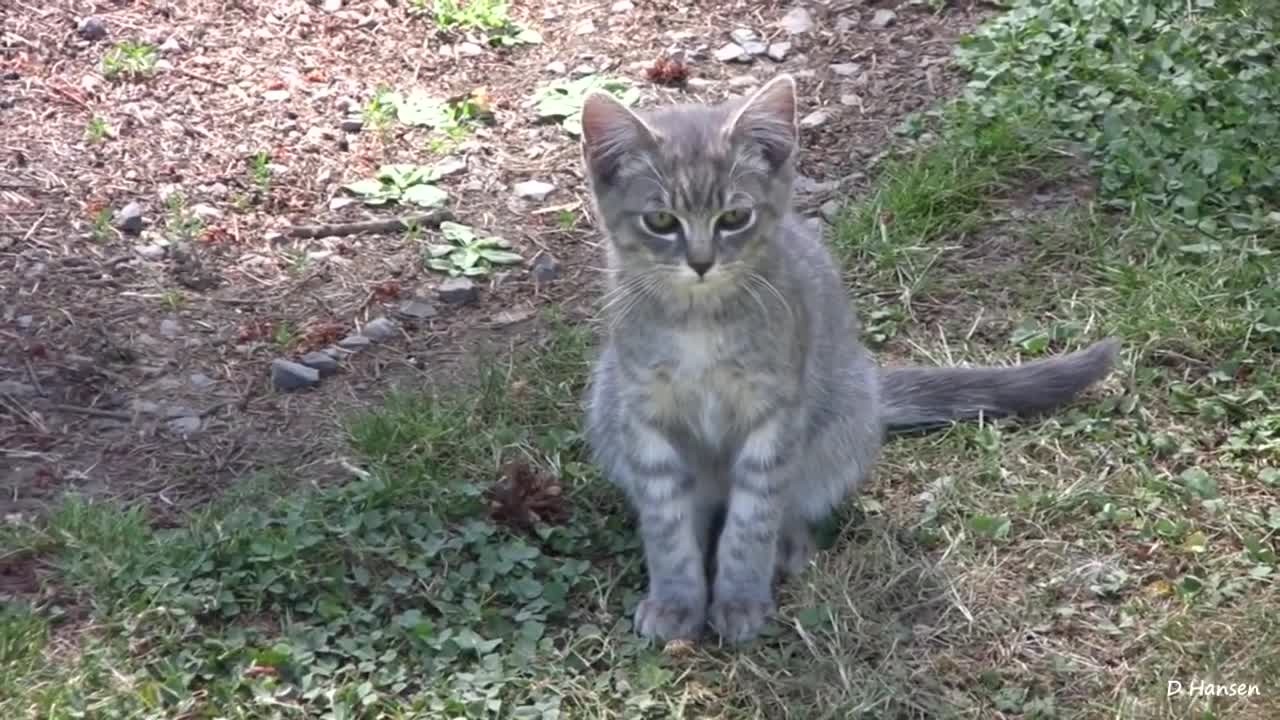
735,219
660,223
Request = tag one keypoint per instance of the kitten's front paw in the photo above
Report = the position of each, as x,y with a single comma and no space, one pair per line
740,619
666,617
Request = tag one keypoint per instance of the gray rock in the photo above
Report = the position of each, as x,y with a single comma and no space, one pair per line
184,425
351,125
331,6
742,82
755,47
778,51
883,19
144,407
171,45
545,268
200,381
534,190
742,36
170,328
449,166
815,119
92,28
622,7
851,100
129,218
470,49
150,252
584,27
732,52
844,69
797,21
206,212
24,321
13,388
583,70
287,375
417,308
830,210
354,342
381,329
556,68
321,362
458,291
334,352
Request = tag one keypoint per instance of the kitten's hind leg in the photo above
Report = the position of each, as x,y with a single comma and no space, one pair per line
796,547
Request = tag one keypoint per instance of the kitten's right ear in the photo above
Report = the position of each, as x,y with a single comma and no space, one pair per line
609,132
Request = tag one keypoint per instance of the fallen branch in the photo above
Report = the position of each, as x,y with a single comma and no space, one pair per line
431,219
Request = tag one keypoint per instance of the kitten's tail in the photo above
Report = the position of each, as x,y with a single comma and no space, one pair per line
917,398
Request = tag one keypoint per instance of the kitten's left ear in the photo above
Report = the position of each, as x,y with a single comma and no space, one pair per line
610,130
767,118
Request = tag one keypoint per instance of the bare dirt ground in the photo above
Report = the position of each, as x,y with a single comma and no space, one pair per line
137,364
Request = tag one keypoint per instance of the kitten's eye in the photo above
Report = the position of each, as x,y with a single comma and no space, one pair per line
735,219
660,223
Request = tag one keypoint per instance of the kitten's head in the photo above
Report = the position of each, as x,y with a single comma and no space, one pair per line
692,195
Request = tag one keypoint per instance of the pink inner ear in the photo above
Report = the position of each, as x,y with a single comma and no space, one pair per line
772,105
603,117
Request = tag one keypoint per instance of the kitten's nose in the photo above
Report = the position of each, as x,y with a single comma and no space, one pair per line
701,266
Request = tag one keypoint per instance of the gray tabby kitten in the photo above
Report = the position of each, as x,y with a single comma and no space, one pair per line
732,383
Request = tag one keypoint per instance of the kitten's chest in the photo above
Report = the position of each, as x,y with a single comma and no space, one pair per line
716,383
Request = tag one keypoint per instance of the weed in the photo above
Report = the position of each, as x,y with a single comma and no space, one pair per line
173,299
102,225
401,183
179,221
129,60
260,170
491,17
97,130
562,99
466,253
380,111
566,219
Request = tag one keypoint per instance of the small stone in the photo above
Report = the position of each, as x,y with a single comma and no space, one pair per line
341,201
545,268
851,100
417,308
534,190
449,166
778,51
351,125
171,45
289,375
129,218
334,352
24,321
755,47
830,210
470,49
583,70
381,329
585,27
144,407
556,68
13,388
742,82
883,19
205,212
622,7
354,342
742,36
732,52
200,381
817,118
321,362
170,328
844,69
150,252
275,95
92,28
184,425
698,83
797,21
458,291
331,6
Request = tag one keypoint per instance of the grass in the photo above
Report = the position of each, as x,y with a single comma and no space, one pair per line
129,60
1070,568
